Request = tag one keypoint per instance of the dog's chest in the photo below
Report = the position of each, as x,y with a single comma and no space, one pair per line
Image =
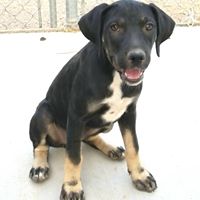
116,102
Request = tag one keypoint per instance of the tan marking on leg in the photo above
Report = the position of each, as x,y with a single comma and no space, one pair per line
115,153
89,132
100,144
132,157
40,169
72,180
56,133
40,156
142,179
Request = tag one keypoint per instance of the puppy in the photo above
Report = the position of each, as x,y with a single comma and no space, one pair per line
99,86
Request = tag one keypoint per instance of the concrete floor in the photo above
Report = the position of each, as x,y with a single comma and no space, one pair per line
168,122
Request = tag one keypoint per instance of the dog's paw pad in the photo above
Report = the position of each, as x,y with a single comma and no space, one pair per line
147,184
71,195
117,154
39,174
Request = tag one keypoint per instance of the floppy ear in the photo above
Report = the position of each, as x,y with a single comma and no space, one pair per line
90,23
165,26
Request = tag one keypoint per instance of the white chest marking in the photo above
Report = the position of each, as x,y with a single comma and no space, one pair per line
117,104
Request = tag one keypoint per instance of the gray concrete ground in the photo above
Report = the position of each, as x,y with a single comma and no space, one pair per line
168,123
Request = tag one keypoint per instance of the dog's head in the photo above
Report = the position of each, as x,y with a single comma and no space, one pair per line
126,31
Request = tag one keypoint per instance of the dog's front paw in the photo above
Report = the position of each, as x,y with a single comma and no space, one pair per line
117,154
39,174
144,181
72,192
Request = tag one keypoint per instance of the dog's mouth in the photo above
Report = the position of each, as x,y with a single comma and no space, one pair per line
132,76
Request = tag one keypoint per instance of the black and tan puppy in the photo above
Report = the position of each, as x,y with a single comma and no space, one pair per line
99,86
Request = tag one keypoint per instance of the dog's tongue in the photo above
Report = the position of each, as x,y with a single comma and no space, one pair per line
133,74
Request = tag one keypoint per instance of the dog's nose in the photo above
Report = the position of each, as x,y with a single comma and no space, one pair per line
136,56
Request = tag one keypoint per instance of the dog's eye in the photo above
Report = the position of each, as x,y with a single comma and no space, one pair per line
149,26
114,27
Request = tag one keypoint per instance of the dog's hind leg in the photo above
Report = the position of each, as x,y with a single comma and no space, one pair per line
38,134
115,153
